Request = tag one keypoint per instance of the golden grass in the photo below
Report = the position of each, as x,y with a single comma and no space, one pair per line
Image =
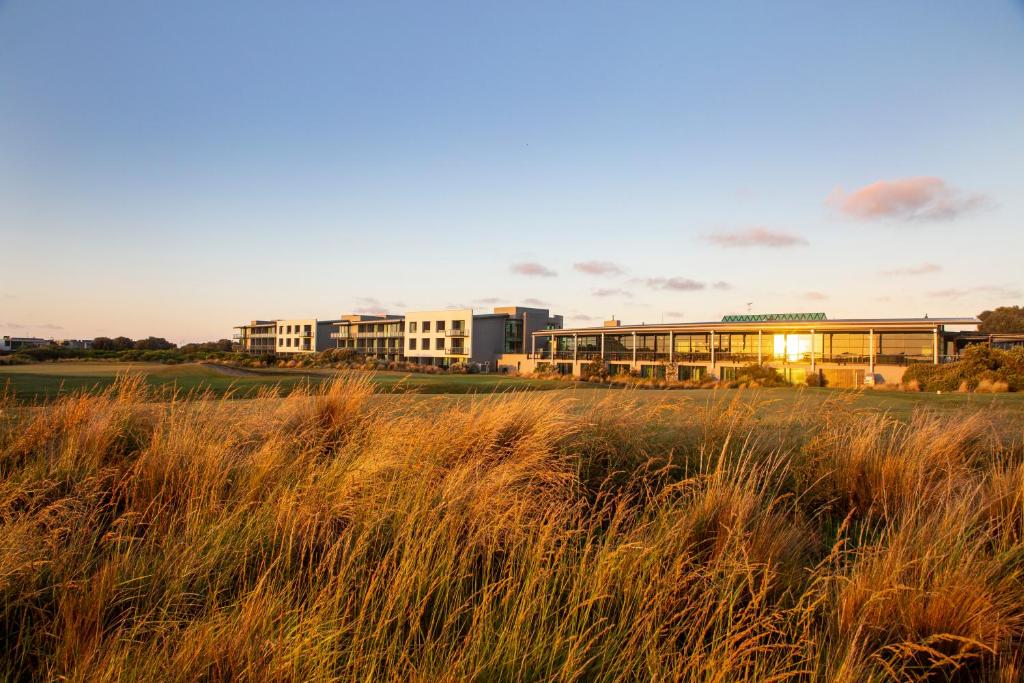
325,536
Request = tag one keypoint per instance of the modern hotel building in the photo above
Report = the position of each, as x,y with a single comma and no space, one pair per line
848,352
440,337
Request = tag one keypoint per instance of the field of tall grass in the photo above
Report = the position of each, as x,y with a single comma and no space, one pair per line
518,537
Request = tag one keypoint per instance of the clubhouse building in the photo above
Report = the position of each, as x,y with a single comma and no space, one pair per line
846,352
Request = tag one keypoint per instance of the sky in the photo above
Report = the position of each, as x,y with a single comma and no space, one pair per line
174,169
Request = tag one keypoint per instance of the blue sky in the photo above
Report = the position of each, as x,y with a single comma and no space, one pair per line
176,168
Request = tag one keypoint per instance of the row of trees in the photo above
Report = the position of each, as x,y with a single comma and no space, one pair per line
1002,320
126,343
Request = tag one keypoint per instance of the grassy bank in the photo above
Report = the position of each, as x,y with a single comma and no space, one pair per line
514,537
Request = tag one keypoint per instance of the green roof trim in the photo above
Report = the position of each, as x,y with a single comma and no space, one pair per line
774,318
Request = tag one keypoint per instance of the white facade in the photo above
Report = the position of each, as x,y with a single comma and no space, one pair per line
437,335
303,335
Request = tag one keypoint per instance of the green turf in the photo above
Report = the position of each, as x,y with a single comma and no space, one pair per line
45,381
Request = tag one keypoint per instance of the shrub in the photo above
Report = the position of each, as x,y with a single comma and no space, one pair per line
976,364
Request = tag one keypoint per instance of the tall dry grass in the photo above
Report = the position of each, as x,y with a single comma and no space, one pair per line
517,537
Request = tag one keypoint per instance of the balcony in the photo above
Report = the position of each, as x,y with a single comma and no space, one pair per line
341,335
456,332
456,351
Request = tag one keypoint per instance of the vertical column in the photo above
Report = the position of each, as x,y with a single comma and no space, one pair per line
575,347
935,345
533,346
671,347
871,351
759,359
812,350
602,346
634,350
553,345
712,349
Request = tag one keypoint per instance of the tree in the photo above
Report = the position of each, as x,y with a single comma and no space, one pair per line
1002,320
153,344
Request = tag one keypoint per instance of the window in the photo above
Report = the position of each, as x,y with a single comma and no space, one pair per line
426,341
911,344
691,343
412,328
513,334
691,372
652,371
439,326
412,343
308,329
426,326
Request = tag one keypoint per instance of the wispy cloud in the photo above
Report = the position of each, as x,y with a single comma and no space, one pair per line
30,326
922,269
489,300
583,317
995,291
598,268
755,237
924,198
531,269
721,284
678,284
677,315
814,296
612,292
370,306
530,301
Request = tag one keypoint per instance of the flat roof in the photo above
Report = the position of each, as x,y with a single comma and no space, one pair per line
841,324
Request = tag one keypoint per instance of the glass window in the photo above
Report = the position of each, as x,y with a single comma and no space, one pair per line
412,327
439,326
691,343
912,344
412,344
691,372
426,326
425,341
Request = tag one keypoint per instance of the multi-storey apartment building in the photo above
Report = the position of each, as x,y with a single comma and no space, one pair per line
846,352
259,337
444,337
8,343
374,336
306,335
281,336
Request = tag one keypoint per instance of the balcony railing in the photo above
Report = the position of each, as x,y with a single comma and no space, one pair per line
456,351
732,357
690,356
456,332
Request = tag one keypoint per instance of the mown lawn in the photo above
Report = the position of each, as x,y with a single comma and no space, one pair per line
45,381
